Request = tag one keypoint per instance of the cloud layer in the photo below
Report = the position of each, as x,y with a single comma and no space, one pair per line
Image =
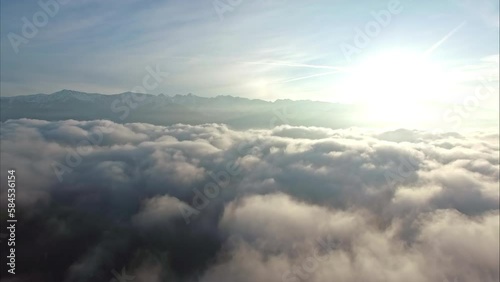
207,203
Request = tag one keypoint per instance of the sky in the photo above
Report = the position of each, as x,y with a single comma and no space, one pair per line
338,51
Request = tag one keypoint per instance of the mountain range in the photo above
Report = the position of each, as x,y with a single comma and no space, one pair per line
236,112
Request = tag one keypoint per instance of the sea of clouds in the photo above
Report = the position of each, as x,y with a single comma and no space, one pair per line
97,200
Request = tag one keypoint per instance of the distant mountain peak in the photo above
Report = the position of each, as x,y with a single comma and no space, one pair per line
68,92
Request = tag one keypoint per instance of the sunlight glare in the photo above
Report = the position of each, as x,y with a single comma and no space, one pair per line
395,85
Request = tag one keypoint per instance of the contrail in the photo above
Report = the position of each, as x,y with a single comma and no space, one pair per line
437,44
298,65
305,77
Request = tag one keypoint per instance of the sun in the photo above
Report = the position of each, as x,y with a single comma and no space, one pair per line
395,84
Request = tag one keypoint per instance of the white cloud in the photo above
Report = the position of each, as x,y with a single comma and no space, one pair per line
399,205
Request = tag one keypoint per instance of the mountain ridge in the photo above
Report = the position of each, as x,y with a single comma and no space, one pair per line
236,112
82,95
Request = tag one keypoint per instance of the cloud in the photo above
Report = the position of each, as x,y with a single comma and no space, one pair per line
158,210
286,204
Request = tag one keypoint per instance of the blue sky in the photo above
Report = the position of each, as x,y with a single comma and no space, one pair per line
267,49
